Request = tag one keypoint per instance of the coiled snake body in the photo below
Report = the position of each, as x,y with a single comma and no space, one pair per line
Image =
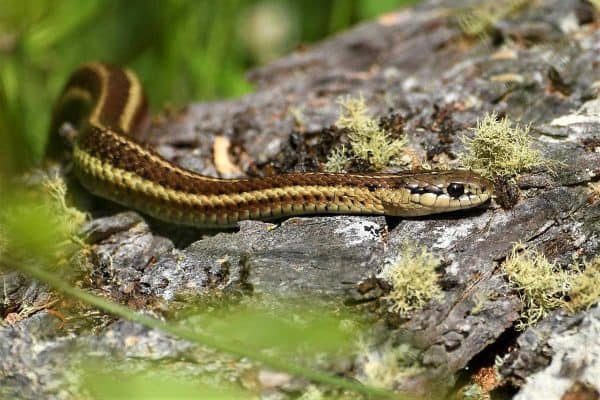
108,107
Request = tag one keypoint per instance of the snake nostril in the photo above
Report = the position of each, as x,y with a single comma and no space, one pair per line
455,189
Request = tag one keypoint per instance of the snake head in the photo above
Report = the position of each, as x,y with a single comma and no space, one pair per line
436,192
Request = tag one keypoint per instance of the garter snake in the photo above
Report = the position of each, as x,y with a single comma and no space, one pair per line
107,106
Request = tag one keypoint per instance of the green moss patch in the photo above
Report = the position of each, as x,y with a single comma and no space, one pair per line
413,278
585,287
541,284
544,286
369,142
500,148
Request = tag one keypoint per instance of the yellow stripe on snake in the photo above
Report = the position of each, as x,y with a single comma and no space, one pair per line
108,107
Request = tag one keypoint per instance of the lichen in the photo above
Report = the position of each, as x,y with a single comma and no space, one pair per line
413,278
500,148
297,114
70,217
474,392
480,299
585,290
337,159
368,141
541,284
594,188
312,393
389,364
478,21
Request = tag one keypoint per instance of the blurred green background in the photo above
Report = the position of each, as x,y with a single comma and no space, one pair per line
184,50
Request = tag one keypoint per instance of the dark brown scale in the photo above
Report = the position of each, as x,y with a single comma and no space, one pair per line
118,92
72,111
141,121
86,78
105,146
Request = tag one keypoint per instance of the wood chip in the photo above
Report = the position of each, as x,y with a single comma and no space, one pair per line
221,159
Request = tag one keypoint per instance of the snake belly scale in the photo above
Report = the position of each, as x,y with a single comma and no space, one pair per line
108,107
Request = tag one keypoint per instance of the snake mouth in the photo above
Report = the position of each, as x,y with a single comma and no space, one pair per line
456,195
446,202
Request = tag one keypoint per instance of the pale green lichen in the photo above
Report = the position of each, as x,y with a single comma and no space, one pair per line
337,159
413,278
479,20
474,392
480,300
500,148
541,284
544,286
585,290
70,249
312,393
390,364
297,114
368,141
70,217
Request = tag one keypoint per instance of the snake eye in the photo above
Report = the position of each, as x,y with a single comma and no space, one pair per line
455,189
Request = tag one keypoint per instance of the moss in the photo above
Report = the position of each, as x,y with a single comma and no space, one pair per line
540,283
71,250
473,392
585,290
312,393
500,149
70,217
385,367
479,20
337,159
543,286
413,278
368,141
480,300
297,114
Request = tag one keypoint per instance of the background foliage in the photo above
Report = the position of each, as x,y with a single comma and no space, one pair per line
184,50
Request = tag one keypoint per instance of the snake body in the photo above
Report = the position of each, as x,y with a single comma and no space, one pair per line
108,107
